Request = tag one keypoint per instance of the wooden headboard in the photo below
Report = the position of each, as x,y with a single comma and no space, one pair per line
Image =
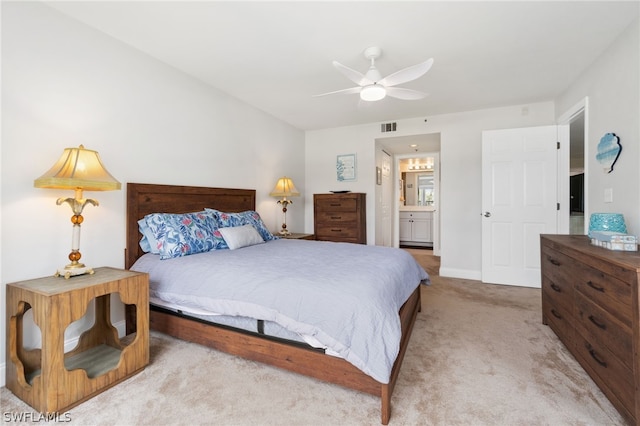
143,199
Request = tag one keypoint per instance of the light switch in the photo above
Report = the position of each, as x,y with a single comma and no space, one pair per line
608,195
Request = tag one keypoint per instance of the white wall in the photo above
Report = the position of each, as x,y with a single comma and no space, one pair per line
612,85
460,161
64,84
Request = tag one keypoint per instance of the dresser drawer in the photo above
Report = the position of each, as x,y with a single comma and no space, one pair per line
559,319
610,374
333,218
332,233
560,292
336,204
606,291
558,267
605,328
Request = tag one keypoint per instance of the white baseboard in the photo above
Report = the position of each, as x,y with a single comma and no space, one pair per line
69,344
465,274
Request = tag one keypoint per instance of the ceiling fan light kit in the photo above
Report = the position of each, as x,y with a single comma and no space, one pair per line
372,87
373,92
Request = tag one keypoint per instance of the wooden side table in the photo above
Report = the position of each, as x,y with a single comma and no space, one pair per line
53,381
298,236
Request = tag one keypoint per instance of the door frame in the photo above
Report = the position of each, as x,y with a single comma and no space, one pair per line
396,197
582,107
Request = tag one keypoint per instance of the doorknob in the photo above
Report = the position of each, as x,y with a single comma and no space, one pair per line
487,214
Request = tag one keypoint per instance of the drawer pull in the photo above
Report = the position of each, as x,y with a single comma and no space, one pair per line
597,323
336,230
336,217
553,261
555,287
556,314
335,205
595,287
594,355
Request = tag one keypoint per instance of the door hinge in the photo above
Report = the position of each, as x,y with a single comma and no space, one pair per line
557,145
557,206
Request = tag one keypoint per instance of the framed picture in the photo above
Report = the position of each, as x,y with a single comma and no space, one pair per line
378,176
346,167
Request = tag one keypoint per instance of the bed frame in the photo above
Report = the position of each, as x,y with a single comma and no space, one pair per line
143,199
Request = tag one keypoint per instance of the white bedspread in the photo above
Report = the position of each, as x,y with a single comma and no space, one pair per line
347,296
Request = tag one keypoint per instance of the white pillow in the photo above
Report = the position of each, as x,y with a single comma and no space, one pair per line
241,236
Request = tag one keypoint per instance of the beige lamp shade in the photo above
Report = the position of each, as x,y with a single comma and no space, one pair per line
285,188
78,168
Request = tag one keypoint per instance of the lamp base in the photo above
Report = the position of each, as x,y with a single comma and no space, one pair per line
284,231
68,272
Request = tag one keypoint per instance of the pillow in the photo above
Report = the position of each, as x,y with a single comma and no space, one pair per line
182,234
241,236
148,241
249,217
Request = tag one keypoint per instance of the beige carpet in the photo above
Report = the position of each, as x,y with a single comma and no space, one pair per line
479,355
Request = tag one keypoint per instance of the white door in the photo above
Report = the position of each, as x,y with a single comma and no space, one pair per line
387,200
519,202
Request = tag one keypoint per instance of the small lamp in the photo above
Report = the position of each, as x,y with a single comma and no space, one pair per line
284,188
78,169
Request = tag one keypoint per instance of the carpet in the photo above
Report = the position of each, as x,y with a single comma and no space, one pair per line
479,355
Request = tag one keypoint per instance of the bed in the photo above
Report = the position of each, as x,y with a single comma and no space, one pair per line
294,355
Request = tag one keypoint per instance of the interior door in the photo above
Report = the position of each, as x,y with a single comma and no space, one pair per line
519,202
387,200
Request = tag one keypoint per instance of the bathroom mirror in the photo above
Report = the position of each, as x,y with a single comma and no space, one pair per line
418,188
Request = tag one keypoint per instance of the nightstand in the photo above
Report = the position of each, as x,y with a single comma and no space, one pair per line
298,236
53,381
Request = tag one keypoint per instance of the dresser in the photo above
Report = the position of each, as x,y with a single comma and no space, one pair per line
590,300
340,217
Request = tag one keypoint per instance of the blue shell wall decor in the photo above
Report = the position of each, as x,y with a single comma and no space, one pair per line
609,150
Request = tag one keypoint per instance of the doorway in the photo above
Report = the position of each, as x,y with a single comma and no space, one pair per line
403,147
573,190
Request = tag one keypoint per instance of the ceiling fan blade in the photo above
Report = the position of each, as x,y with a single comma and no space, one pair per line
343,91
407,74
353,75
405,94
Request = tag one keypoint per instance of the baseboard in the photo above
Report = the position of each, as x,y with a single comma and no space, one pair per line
69,344
465,274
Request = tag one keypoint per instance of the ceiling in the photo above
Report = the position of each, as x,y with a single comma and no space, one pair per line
277,55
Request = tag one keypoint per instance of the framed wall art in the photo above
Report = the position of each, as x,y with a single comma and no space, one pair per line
346,167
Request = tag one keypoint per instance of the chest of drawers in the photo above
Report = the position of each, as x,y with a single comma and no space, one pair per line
590,300
340,217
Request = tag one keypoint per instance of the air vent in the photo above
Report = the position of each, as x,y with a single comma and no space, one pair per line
388,127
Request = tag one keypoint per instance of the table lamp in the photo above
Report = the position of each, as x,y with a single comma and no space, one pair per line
284,188
78,169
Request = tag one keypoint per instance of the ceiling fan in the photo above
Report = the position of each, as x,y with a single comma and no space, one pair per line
372,87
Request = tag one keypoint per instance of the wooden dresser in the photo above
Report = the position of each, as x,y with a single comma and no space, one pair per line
340,217
590,300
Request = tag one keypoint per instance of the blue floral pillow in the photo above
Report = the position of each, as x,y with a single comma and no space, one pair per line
249,217
183,234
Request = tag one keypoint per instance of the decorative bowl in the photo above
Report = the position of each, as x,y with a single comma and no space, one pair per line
612,222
